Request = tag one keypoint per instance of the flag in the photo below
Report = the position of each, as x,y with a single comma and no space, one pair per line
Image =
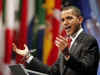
9,30
9,24
95,19
55,31
2,46
39,28
47,44
22,37
1,32
40,35
50,54
2,39
1,5
30,34
31,19
40,43
92,19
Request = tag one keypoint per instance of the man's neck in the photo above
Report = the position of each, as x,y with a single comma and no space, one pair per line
78,32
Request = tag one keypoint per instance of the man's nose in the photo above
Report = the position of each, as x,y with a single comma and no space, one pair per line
66,22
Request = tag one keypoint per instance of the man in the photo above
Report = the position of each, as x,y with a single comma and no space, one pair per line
80,58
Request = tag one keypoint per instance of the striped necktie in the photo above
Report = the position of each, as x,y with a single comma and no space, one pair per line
69,42
67,49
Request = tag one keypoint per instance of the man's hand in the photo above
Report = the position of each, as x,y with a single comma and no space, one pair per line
61,42
19,51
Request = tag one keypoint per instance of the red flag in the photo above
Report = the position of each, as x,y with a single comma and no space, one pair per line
23,28
9,25
8,45
9,30
0,7
55,30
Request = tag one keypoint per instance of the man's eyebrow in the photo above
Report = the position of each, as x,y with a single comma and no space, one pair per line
69,17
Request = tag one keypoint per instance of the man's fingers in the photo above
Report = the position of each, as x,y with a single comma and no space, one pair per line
62,41
19,51
61,37
59,45
22,52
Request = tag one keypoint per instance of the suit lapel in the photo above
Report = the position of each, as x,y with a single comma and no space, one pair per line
77,42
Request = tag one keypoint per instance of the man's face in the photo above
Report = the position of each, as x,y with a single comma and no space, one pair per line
70,21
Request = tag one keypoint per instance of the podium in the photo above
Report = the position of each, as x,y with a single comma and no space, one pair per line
19,69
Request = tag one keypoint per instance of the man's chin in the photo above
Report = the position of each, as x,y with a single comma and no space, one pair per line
69,33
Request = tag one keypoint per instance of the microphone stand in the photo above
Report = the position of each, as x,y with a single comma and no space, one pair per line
27,55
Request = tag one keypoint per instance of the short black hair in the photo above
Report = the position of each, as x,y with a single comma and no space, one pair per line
75,9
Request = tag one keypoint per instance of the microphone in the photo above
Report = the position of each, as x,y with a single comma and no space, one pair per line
32,51
28,55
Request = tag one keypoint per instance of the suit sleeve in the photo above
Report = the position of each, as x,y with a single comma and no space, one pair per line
38,66
88,59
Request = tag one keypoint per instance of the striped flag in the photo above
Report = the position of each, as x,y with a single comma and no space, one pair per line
22,38
9,24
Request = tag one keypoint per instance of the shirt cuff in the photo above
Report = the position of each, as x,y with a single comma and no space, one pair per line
29,59
67,58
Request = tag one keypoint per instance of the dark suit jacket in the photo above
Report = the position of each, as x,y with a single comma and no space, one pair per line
84,58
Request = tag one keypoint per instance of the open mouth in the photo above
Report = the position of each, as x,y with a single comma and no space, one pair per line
68,28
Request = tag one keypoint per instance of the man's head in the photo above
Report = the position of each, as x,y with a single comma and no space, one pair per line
71,19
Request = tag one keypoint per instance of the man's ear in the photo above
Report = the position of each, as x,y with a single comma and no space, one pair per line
80,19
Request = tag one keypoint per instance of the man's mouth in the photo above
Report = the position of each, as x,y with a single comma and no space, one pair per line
68,28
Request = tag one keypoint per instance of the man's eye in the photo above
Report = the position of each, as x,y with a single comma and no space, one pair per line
62,19
69,17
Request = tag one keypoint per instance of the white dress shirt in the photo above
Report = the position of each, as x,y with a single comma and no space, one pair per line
75,36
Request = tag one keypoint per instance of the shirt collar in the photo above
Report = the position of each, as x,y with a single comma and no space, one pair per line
77,33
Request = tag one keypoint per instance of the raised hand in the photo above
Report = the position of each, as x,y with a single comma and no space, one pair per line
61,42
19,51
